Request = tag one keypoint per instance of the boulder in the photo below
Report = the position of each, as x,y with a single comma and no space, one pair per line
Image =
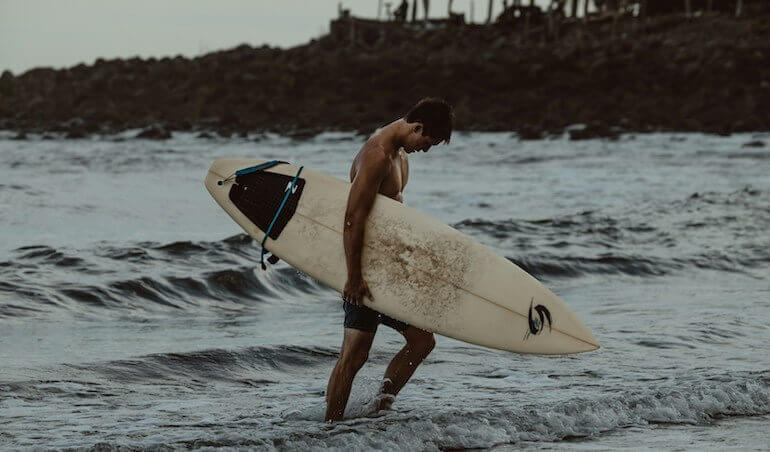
593,130
154,132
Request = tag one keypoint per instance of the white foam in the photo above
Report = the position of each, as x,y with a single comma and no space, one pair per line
436,429
365,397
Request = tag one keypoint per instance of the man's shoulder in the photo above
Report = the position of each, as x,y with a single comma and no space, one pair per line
373,158
373,151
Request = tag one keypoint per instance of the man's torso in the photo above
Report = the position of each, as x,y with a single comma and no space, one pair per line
362,317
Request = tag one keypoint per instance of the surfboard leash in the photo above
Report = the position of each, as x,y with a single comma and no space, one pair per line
251,169
289,190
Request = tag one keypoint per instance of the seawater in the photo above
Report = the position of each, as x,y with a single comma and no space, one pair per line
133,312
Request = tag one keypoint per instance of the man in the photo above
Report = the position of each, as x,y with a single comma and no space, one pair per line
381,166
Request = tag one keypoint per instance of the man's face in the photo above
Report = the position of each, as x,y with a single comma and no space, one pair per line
419,142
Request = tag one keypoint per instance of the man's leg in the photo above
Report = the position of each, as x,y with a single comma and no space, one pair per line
419,344
353,355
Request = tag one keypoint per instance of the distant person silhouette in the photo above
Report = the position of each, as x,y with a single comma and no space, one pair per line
400,13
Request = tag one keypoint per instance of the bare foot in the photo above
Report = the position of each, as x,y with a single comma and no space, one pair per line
386,400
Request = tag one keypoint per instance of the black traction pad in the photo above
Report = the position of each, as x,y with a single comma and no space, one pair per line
258,195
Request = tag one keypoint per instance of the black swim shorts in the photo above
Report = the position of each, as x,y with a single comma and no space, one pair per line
367,319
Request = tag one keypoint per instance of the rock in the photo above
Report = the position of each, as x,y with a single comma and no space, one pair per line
259,136
155,132
530,132
593,130
75,134
182,125
20,136
754,144
305,133
74,128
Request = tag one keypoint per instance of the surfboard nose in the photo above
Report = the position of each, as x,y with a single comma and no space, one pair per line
221,173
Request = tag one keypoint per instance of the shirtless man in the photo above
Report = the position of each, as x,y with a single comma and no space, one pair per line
381,166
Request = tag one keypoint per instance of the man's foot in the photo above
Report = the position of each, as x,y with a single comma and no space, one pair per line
386,400
385,397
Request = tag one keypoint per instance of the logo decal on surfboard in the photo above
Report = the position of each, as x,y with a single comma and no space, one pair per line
536,324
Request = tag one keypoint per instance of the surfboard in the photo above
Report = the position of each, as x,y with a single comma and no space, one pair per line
418,269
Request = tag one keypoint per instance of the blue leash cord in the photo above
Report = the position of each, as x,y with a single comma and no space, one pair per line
254,169
251,169
289,191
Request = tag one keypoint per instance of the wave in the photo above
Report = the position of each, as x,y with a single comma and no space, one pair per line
705,231
205,366
432,426
174,276
681,403
550,265
189,369
713,231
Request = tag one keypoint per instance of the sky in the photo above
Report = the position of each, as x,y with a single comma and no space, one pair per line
63,33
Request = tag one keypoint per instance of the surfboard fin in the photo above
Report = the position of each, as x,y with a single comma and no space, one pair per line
273,259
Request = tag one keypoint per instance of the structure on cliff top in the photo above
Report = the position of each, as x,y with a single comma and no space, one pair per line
529,18
520,9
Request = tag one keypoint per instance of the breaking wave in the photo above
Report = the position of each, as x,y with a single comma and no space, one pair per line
166,277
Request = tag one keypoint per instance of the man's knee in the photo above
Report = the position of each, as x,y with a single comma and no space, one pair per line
421,342
429,344
355,349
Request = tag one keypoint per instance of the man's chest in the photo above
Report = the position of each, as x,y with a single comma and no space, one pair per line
397,178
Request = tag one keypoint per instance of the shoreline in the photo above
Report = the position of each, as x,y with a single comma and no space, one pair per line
756,139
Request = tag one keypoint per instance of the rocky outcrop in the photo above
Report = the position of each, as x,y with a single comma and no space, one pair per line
709,74
154,132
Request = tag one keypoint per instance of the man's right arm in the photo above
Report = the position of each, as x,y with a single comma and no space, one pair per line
363,192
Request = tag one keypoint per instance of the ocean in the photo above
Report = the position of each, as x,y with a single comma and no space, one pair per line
134,314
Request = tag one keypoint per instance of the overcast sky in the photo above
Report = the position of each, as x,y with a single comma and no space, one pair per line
60,33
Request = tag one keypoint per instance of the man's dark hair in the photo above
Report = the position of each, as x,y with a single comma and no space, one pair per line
436,117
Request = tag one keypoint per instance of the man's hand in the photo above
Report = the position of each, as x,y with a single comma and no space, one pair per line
355,291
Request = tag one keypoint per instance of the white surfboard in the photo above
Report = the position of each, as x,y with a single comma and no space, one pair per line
418,269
